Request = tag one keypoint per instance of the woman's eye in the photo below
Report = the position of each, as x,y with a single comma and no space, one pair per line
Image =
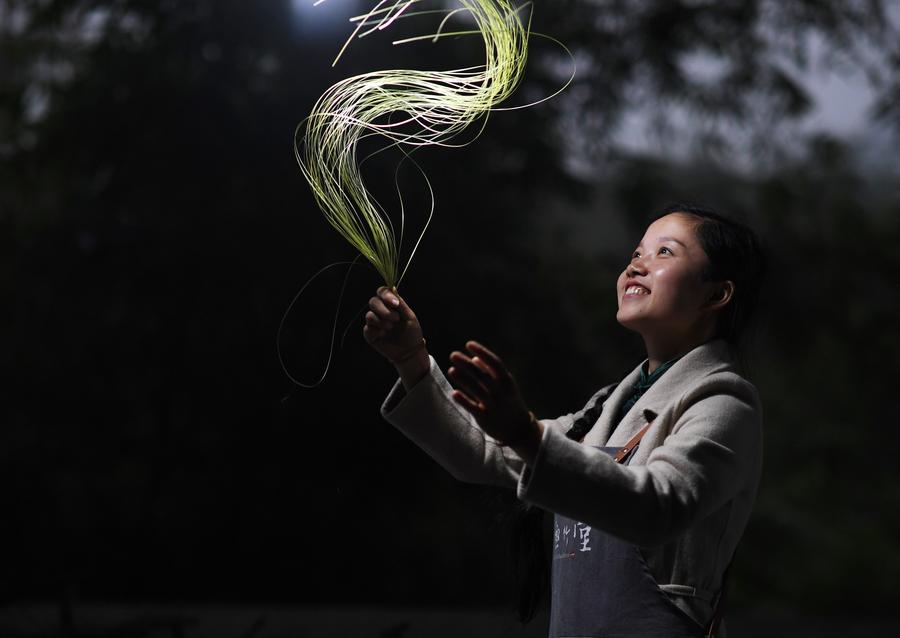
636,254
665,250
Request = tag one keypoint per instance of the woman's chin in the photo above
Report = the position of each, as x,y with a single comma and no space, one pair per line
629,321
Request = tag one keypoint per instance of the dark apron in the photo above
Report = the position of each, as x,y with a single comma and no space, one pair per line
601,586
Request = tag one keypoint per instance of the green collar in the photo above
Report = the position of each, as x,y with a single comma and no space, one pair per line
646,380
643,384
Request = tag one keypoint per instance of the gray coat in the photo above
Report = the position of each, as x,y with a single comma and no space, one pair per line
684,498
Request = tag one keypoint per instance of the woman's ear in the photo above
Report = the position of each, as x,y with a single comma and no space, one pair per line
721,296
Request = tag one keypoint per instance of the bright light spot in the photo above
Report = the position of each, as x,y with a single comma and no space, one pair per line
35,103
704,67
325,19
93,25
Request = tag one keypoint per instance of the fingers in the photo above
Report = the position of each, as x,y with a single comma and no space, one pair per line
382,313
473,407
393,300
492,359
487,360
470,384
479,379
372,334
475,367
374,324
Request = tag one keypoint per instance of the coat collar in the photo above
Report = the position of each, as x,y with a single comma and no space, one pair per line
709,357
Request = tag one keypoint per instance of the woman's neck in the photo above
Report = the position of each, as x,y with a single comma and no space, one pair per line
653,362
661,350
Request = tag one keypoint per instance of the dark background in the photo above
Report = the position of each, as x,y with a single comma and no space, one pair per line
154,228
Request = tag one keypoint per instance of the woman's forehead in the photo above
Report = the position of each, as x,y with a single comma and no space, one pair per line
675,227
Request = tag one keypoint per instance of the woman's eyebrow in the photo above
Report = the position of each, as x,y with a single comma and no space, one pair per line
677,241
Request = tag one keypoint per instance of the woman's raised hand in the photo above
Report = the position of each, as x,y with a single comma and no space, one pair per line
392,328
489,393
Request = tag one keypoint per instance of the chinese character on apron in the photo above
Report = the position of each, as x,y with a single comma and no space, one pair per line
601,586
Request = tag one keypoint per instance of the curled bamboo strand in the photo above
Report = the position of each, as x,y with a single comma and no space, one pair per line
408,109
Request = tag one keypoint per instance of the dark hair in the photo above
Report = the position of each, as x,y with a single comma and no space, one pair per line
735,254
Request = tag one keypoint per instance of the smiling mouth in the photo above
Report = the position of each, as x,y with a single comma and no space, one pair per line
635,291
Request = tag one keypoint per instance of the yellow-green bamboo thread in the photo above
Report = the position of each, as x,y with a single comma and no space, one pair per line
436,106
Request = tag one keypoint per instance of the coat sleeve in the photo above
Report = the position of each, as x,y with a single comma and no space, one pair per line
712,452
429,416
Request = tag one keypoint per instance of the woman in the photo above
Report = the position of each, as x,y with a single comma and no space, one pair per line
652,482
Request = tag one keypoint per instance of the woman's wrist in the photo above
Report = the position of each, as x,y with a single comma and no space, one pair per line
409,353
414,367
527,444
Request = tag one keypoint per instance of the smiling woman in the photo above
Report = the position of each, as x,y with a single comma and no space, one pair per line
651,484
664,293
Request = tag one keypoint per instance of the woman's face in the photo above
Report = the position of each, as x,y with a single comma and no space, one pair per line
661,292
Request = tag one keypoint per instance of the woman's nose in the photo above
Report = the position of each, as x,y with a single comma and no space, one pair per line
636,267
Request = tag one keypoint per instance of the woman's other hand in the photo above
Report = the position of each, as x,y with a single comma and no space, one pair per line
489,393
393,331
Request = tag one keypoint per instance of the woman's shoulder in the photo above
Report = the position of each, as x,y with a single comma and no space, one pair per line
714,360
711,370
